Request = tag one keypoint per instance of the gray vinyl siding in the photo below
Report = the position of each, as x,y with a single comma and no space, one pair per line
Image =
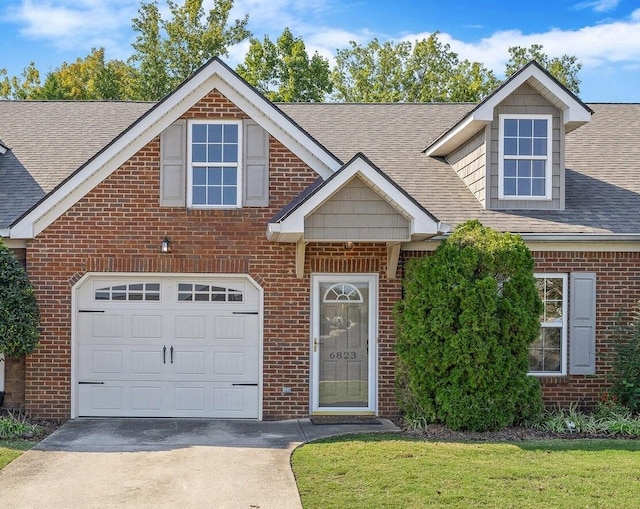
356,212
526,100
469,162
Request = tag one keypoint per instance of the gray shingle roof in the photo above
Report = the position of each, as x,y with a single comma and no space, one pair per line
53,139
602,161
49,140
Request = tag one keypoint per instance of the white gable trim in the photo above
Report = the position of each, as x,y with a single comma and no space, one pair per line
575,112
291,228
213,75
3,149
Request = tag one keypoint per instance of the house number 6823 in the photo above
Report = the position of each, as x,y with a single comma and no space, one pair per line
342,355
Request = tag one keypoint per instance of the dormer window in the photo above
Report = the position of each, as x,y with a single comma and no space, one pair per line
525,149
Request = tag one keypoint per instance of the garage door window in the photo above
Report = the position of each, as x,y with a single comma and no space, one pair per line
201,292
129,292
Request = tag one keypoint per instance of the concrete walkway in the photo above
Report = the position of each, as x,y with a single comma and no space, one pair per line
165,463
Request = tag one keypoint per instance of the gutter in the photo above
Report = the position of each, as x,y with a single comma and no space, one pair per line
583,242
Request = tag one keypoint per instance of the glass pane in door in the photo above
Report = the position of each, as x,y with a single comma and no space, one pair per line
344,344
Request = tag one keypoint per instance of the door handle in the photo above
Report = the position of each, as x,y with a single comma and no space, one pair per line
315,344
164,355
171,353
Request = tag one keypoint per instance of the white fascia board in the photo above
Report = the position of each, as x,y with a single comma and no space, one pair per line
574,111
151,125
4,233
3,149
14,243
454,138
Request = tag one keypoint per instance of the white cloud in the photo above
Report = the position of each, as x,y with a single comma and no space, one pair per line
595,46
599,5
79,24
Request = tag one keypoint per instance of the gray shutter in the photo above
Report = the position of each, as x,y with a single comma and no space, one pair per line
256,166
582,331
173,165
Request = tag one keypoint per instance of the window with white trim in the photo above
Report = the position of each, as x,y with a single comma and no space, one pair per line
525,150
215,170
548,353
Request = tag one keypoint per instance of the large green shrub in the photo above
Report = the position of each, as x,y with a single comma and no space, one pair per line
19,315
625,373
464,325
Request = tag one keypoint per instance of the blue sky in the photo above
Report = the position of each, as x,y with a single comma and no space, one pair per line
603,34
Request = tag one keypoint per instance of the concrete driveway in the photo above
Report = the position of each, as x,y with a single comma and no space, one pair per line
158,463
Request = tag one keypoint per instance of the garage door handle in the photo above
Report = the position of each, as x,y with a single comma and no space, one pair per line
171,352
164,355
90,310
245,312
247,385
90,383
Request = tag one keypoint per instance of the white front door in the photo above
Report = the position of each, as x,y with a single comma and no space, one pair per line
167,346
343,343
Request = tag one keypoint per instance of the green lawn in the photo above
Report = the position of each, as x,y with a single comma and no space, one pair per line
11,449
395,472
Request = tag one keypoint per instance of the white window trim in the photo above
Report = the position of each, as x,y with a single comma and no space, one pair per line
239,176
565,323
549,158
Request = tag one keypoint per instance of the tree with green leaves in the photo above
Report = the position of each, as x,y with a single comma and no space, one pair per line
88,78
464,326
565,68
168,51
425,71
23,87
19,314
283,71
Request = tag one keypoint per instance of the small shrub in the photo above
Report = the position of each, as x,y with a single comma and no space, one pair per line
610,408
605,421
16,425
623,426
625,377
464,327
19,315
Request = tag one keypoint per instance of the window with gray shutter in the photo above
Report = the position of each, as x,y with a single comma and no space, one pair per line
582,336
210,180
173,165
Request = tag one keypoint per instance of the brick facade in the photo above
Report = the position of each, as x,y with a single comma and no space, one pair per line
617,290
118,226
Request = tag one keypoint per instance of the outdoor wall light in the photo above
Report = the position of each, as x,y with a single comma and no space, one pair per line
165,245
348,245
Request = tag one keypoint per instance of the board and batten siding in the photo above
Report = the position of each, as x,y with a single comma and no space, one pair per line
469,162
356,212
525,100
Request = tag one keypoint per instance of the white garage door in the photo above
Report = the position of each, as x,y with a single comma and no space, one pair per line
167,347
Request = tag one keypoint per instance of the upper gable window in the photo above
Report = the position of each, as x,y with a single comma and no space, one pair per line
525,157
215,170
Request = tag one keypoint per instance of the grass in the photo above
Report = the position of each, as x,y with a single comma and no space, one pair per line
17,434
392,471
10,449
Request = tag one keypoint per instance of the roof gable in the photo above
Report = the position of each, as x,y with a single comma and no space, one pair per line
289,225
575,112
213,75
